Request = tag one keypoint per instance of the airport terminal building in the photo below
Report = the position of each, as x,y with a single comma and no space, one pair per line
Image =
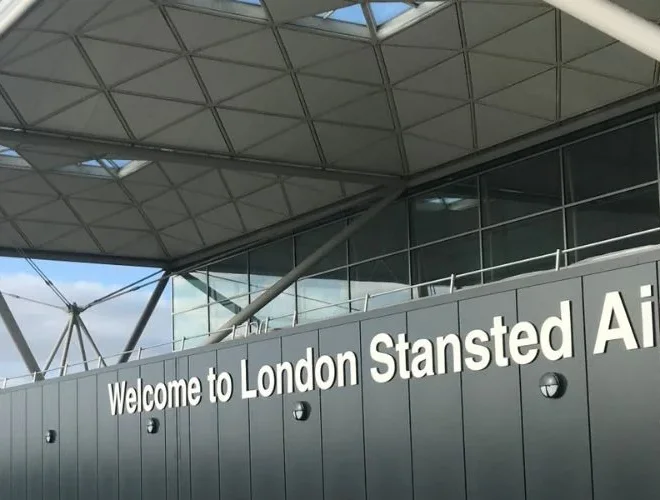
413,247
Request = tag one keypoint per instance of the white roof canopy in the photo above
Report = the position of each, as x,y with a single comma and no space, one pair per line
153,130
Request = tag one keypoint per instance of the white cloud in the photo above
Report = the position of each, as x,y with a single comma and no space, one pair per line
110,323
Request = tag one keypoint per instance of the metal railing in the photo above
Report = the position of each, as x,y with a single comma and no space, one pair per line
262,327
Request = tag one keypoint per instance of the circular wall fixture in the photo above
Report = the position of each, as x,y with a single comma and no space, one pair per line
152,426
300,411
552,385
50,436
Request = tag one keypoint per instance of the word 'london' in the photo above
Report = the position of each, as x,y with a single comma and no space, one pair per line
399,357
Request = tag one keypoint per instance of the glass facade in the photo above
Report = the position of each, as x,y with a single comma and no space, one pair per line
596,188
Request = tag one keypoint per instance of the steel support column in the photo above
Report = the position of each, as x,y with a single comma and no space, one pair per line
53,353
284,282
12,12
18,338
144,319
67,345
615,21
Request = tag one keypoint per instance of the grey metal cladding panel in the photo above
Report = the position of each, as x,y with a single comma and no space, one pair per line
170,430
153,445
386,421
87,433
35,444
234,430
183,422
5,445
203,433
108,445
302,440
492,414
130,466
68,438
556,431
51,412
624,392
342,423
266,428
18,446
436,414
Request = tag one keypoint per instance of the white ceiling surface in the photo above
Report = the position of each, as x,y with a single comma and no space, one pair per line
471,75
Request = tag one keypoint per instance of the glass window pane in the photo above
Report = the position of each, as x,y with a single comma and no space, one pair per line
273,260
228,289
441,260
189,290
611,161
309,241
191,324
377,276
611,217
385,233
528,186
267,265
522,240
279,311
318,292
444,212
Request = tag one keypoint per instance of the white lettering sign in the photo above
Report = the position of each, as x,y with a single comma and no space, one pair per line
396,356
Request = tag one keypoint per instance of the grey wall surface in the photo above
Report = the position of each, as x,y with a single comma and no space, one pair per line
483,435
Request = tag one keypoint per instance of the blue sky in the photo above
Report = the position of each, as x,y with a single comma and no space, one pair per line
109,323
58,271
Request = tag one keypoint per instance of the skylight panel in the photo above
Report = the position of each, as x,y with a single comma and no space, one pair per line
352,14
116,163
104,167
9,152
11,159
386,11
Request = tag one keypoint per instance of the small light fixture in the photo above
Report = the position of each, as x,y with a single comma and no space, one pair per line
552,385
50,436
152,426
301,411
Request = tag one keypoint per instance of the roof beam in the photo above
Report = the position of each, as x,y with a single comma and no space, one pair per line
11,11
615,21
81,257
131,151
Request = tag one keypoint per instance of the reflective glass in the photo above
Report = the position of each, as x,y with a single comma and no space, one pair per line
189,290
455,256
528,186
385,233
191,324
318,292
267,265
309,241
228,289
611,161
444,212
521,240
610,217
279,311
377,276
